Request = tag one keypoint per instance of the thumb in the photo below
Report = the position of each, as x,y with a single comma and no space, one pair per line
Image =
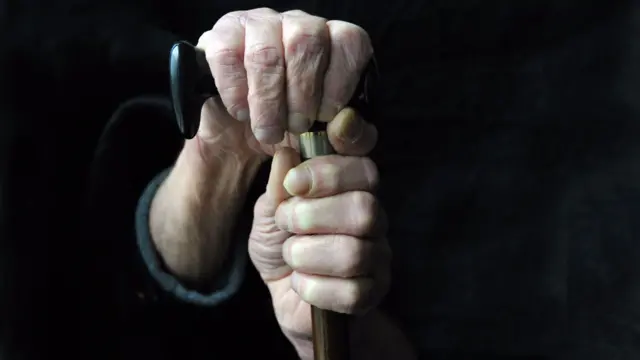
266,239
284,160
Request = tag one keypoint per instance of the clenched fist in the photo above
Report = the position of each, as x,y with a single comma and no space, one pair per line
276,74
319,238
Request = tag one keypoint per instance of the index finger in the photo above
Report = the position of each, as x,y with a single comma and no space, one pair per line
224,46
330,175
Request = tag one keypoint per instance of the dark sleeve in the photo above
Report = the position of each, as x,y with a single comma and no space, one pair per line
225,285
78,266
139,143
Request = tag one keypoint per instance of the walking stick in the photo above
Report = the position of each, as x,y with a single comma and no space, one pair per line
330,329
191,85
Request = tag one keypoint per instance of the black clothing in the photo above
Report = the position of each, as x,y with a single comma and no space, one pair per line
509,163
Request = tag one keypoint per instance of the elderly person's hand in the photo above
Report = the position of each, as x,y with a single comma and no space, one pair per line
319,238
276,73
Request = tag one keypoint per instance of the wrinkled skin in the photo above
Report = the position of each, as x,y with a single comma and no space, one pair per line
318,236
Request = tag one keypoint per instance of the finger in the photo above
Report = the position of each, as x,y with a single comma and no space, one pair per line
347,296
355,213
350,52
224,47
349,134
283,160
264,63
335,255
331,175
265,244
306,52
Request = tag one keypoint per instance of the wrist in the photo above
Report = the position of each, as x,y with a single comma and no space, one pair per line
204,163
194,211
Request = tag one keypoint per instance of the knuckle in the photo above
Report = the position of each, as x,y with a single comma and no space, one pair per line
234,14
230,17
264,57
223,22
354,42
352,34
228,27
296,12
327,177
365,212
264,10
305,31
225,57
306,47
205,36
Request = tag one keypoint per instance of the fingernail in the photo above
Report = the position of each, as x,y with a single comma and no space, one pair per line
352,129
295,252
269,135
297,181
243,115
303,217
298,123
